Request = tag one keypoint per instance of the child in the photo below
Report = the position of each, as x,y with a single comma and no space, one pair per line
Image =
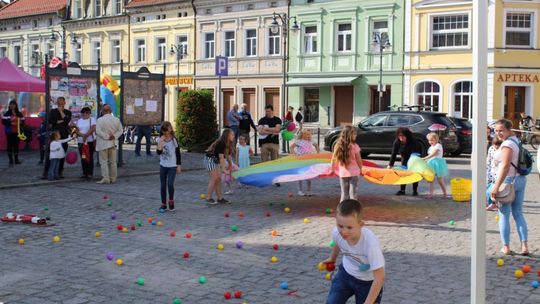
304,145
170,162
491,168
361,272
436,162
56,153
244,151
347,157
214,161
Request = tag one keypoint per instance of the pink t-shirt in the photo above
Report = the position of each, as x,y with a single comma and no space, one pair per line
352,168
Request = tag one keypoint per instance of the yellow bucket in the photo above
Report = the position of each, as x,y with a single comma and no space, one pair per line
461,189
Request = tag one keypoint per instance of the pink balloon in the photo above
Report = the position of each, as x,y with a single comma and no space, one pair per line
71,157
291,126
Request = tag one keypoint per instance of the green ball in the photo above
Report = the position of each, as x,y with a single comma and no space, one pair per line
177,301
328,211
140,281
45,209
287,135
202,279
139,223
234,228
332,244
109,203
452,222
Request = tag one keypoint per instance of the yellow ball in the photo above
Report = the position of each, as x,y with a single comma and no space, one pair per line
56,239
274,259
321,266
287,210
202,196
125,230
496,217
119,262
220,246
98,234
518,274
21,241
160,223
306,220
500,262
328,276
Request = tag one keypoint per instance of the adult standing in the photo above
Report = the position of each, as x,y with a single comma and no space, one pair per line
108,130
405,145
269,128
246,122
287,119
13,120
299,118
59,120
234,121
146,132
86,127
506,160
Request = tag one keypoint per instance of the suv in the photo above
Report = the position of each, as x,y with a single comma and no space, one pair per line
464,134
377,132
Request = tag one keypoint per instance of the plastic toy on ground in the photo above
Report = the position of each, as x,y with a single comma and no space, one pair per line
23,218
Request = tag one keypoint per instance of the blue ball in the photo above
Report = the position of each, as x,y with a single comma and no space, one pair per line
161,210
535,284
284,285
154,222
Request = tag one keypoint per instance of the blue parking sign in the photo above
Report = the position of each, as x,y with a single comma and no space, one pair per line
222,66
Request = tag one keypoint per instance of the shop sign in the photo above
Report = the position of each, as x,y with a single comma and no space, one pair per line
181,80
518,78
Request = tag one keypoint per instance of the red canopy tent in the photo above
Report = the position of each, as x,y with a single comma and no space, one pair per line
12,78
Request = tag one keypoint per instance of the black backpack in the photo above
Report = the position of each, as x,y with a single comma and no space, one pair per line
298,117
525,160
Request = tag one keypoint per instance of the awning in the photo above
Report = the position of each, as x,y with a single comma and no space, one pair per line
320,81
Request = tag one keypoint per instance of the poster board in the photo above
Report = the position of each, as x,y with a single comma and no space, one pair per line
143,98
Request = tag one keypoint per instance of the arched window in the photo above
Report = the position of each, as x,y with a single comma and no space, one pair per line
428,94
463,98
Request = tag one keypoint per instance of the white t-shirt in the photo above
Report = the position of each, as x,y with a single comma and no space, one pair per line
510,142
167,158
439,150
84,125
360,259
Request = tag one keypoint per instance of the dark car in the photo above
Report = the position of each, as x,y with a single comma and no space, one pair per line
464,134
377,132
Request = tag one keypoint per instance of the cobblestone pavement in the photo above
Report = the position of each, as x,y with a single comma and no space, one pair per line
427,259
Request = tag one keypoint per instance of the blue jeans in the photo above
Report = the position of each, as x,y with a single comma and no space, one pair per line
166,177
145,131
520,183
53,169
345,286
236,130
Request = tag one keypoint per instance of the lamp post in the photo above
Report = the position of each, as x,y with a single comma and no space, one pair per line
381,40
180,52
275,28
63,37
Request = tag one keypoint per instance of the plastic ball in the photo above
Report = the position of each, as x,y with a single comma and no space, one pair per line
177,301
113,216
139,223
275,246
161,210
238,294
119,262
105,196
330,267
226,214
56,239
188,235
538,273
287,135
287,210
332,244
307,220
172,234
500,262
125,230
186,255
98,234
284,285
526,268
133,228
496,217
274,259
518,274
227,295
328,210
451,222
234,228
109,203
202,279
534,284
154,222
119,227
291,126
150,220
328,276
220,246
241,214
321,266
274,232
290,194
202,196
268,214
140,281
160,223
21,242
110,256
71,157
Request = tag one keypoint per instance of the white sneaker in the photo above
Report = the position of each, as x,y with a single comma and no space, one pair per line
300,193
228,192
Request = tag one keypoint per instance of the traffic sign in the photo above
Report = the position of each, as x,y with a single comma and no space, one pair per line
222,66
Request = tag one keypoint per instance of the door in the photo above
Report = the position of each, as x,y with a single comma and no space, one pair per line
228,101
343,105
514,104
249,99
374,104
271,96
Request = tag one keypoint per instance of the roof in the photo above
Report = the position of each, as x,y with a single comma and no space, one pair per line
23,8
141,3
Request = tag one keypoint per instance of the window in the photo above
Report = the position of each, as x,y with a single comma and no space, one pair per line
251,42
208,11
185,14
117,7
311,105
17,55
115,51
77,53
249,7
96,51
161,51
274,42
229,44
3,52
374,121
36,54
344,37
209,44
77,9
52,50
50,22
403,120
141,50
183,43
519,29
380,29
34,24
463,97
428,94
97,8
450,31
228,9
310,39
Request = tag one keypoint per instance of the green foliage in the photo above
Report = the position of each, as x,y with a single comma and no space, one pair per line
196,124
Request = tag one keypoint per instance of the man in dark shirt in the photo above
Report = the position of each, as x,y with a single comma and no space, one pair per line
269,128
59,119
246,122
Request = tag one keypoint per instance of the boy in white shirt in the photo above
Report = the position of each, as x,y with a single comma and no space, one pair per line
362,270
56,153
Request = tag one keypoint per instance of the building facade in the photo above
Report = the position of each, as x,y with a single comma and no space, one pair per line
438,57
335,59
240,30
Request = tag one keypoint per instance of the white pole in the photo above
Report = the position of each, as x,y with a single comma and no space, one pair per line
478,203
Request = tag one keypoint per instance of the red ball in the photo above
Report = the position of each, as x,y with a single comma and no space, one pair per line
227,295
275,246
119,227
188,235
71,157
241,214
526,268
105,197
268,214
330,266
538,272
186,255
172,234
133,227
238,294
226,214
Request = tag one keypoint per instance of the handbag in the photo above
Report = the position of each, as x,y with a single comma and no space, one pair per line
85,152
506,194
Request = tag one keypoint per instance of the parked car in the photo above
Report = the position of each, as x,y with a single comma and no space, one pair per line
376,133
464,134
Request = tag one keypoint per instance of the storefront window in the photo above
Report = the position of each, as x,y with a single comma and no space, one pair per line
428,94
311,105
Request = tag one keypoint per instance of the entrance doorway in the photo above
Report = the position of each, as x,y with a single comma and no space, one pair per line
228,101
272,98
250,100
343,105
374,105
514,104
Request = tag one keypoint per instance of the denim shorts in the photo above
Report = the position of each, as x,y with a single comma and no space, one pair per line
345,286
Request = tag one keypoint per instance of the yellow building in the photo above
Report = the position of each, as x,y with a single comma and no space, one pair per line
438,57
162,32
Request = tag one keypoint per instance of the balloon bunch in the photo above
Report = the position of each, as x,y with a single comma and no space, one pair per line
109,91
287,130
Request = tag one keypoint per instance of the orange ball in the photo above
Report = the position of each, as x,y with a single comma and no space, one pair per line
526,268
150,219
274,232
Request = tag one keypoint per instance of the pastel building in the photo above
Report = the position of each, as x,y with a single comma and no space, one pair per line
335,63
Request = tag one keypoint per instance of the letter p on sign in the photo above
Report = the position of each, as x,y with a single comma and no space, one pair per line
222,66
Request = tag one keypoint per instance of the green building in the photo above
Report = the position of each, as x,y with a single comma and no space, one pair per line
334,59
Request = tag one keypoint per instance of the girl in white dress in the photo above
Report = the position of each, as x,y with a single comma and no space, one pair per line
436,162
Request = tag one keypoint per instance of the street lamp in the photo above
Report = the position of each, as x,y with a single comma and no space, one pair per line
63,37
381,40
274,28
180,52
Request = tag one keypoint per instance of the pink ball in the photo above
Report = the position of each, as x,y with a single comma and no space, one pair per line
71,157
291,126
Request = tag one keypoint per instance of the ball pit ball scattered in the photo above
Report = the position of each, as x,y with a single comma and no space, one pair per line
268,214
109,203
125,230
535,284
307,220
284,285
290,194
227,295
220,246
56,239
161,210
113,216
172,234
188,235
287,210
526,268
275,246
241,214
21,241
496,217
500,262
154,222
330,267
328,276
150,220
274,232
186,255
518,274
234,228
328,210
98,234
226,214
110,256
140,281
139,223
321,266
160,223
538,273
274,259
239,244
119,227
119,262
105,197
332,244
451,222
202,196
202,279
133,227
237,294
177,301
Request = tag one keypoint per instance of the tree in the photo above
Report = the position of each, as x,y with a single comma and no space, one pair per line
196,124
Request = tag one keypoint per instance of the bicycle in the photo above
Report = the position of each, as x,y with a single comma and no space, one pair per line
528,136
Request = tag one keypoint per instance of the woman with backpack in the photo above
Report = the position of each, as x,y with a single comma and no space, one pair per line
509,183
299,118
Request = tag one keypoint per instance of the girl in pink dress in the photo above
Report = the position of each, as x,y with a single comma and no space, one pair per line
303,145
349,162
